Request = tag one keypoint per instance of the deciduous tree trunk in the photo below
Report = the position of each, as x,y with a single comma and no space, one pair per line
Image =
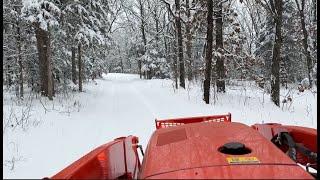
206,84
73,65
276,58
175,61
43,46
180,47
9,74
79,67
189,43
220,81
49,69
315,22
139,66
20,61
305,39
144,39
21,77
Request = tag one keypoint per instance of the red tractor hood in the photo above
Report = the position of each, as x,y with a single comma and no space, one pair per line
192,150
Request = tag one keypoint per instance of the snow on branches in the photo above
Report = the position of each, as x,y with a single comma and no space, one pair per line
41,12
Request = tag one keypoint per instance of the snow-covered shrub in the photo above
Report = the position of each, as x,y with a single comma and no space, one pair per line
305,83
155,64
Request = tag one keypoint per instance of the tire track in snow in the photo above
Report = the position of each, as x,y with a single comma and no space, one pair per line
144,101
113,96
128,112
106,104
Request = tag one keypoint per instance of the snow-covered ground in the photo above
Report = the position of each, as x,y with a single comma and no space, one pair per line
121,105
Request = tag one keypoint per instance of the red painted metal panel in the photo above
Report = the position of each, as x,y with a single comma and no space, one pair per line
132,158
307,137
172,136
267,130
116,159
302,135
238,172
180,121
200,151
189,149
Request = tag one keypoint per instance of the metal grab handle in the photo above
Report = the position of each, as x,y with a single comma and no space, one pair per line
308,166
141,150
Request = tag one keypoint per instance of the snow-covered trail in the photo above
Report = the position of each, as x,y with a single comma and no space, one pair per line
122,105
128,105
119,105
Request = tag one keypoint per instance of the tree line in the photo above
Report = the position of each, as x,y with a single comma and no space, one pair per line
50,44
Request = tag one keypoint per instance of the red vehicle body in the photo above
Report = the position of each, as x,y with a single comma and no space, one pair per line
207,147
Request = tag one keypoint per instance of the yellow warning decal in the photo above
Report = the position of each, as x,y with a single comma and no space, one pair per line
243,160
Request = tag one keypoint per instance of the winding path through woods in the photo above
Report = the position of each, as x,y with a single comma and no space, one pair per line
121,105
118,105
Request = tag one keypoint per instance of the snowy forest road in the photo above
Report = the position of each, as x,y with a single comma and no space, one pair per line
116,105
122,105
129,105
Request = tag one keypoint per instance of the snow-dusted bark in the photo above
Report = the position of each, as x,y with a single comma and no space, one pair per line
180,46
206,84
276,57
43,15
301,9
220,67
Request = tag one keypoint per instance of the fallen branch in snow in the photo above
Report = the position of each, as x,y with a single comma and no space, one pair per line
7,121
19,114
11,163
24,118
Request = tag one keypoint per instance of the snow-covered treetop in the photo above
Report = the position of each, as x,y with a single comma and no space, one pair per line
87,21
88,35
41,13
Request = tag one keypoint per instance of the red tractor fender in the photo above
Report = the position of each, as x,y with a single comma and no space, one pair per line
116,159
304,136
